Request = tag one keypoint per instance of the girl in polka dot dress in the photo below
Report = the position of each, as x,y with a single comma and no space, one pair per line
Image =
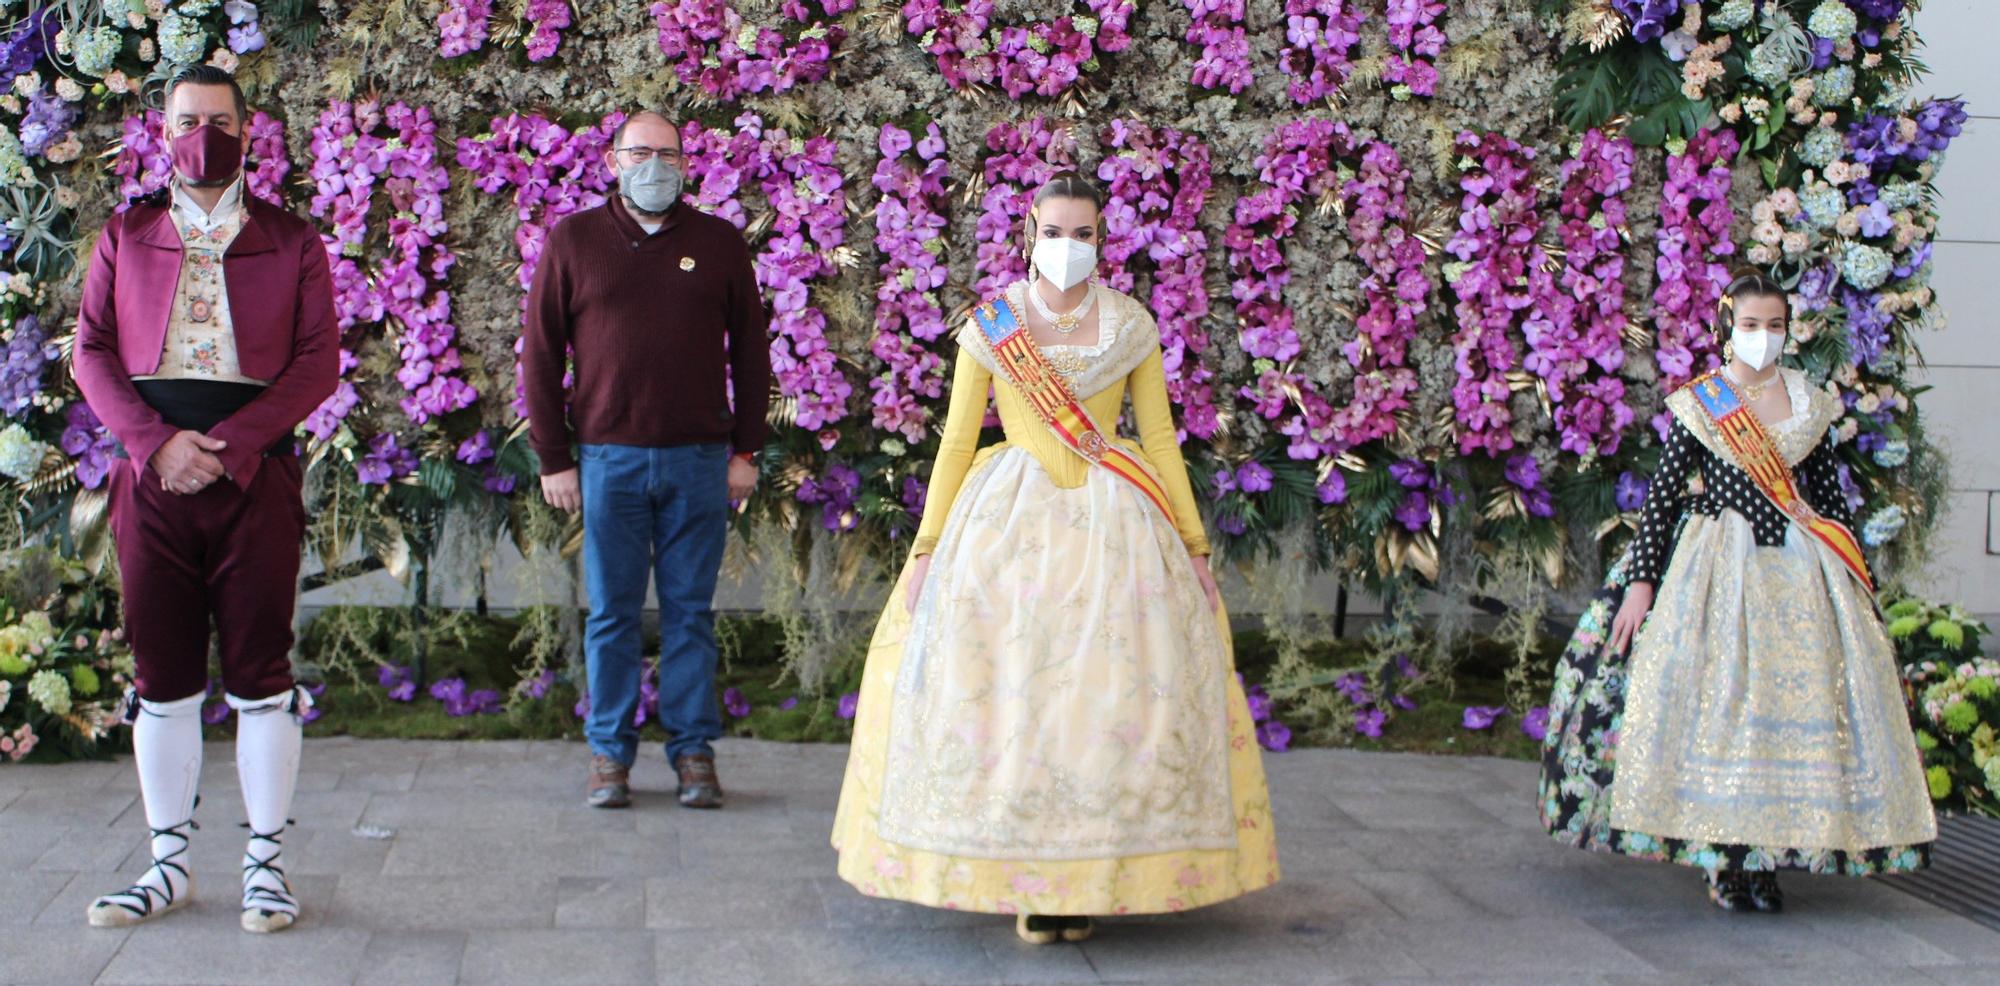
1729,700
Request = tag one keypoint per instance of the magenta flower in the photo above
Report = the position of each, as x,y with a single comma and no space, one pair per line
1044,57
711,47
462,26
1694,248
1319,35
1298,166
1504,286
909,314
1481,716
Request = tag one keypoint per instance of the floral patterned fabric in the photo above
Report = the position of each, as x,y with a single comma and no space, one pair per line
1139,884
1580,762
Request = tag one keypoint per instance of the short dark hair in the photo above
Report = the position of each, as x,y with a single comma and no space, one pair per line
618,135
206,75
1070,185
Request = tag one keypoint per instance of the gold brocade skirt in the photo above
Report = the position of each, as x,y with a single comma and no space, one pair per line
1061,731
1764,707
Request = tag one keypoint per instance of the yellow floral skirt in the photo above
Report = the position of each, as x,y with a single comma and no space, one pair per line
977,766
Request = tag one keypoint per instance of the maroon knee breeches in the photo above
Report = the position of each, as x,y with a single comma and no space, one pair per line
224,555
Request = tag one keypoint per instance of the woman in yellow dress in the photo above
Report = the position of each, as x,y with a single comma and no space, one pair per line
1049,724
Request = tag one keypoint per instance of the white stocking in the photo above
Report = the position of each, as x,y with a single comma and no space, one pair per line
166,744
268,739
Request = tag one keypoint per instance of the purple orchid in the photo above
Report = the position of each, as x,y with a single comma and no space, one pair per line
1536,723
1481,716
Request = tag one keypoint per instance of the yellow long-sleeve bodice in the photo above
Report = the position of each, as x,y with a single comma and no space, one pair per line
1152,411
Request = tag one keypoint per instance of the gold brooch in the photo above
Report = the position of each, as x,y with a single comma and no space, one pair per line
687,263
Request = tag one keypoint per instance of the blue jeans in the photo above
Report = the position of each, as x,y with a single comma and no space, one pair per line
663,511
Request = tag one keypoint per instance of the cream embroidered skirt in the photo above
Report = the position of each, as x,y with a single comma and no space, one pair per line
1764,706
1058,728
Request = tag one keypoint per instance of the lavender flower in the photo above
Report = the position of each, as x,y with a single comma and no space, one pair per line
48,120
1274,736
86,440
1253,477
1536,723
1369,722
848,704
1481,716
385,462
1631,490
1260,703
734,703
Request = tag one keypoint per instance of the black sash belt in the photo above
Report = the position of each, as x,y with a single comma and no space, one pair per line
200,405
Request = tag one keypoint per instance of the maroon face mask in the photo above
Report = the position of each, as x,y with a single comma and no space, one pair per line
208,155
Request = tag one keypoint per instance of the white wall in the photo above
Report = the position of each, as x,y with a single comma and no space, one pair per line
1963,409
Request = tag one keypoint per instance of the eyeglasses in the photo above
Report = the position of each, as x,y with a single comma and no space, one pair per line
638,154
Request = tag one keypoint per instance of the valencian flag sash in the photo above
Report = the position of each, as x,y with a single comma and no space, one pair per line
1022,363
1756,455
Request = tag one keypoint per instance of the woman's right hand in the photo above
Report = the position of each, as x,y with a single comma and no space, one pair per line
1624,626
918,569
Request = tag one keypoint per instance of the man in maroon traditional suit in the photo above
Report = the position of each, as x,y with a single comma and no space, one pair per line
206,334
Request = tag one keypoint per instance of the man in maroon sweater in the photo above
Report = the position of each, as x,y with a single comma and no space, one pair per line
660,306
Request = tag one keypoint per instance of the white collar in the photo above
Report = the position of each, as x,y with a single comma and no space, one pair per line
226,208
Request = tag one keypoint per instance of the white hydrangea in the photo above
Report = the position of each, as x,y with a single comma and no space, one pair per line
20,454
50,690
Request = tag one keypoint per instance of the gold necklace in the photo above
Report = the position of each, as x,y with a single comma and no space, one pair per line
1754,391
1068,322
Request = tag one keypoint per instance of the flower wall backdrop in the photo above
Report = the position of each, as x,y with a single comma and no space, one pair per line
1422,270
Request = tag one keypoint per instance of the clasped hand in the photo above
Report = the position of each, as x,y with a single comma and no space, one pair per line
187,463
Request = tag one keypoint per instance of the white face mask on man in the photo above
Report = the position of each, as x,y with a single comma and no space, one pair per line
1065,262
1756,348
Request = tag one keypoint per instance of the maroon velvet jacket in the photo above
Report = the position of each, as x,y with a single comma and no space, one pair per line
281,305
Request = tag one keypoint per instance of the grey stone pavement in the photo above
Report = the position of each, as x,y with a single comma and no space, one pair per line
1397,869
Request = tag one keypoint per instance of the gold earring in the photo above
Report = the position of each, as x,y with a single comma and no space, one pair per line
1728,352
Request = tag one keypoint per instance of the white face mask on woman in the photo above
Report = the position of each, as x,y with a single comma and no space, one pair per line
1065,262
1756,348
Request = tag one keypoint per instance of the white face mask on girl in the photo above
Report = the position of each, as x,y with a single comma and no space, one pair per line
1065,262
1757,349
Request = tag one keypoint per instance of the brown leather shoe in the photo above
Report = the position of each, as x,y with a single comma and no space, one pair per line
609,785
700,788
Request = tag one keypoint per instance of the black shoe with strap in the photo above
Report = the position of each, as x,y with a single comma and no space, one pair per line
268,904
148,899
1764,892
1730,890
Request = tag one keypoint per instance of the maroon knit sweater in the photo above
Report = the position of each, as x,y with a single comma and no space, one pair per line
661,326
